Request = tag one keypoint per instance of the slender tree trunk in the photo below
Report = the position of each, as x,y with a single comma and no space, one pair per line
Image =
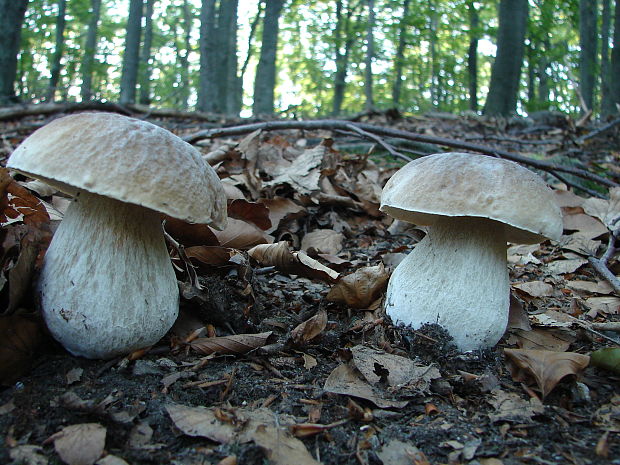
145,58
434,65
399,59
543,76
615,61
232,85
606,101
89,51
506,70
531,76
58,50
342,35
264,83
183,56
206,88
131,57
587,55
472,56
253,27
370,54
11,20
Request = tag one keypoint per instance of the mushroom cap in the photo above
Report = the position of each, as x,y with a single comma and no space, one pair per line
125,159
462,184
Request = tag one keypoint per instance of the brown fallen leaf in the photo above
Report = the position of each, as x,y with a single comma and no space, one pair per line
310,328
251,212
304,430
606,210
282,210
241,235
298,263
325,241
80,444
535,288
361,288
20,337
188,234
510,407
545,367
212,256
17,204
236,344
397,452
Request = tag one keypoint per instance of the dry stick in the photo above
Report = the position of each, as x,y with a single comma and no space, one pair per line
591,192
391,150
609,326
598,131
600,264
331,125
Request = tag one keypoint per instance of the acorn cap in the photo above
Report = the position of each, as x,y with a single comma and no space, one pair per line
462,184
125,159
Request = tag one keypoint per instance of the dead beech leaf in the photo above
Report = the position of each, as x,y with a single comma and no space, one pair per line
211,256
17,204
20,337
510,407
282,210
397,452
361,288
190,234
565,266
344,379
310,328
325,241
609,305
535,288
599,287
199,421
587,226
304,173
111,460
605,210
557,340
241,235
546,367
236,344
251,212
80,444
298,263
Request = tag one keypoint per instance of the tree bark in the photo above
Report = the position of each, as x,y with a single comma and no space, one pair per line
90,47
145,66
615,60
370,54
206,88
131,57
587,55
506,69
606,101
231,85
264,83
472,56
183,56
434,65
58,50
342,45
11,20
399,59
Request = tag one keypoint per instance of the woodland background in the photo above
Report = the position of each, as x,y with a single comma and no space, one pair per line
316,57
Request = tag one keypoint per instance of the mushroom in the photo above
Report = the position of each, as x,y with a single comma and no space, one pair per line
107,286
457,276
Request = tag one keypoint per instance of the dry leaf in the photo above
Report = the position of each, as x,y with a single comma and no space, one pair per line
600,287
361,288
80,444
546,367
310,328
241,235
535,288
111,460
19,205
567,198
298,263
565,266
304,173
282,210
199,421
250,212
28,455
401,453
190,234
558,340
20,337
510,407
325,241
607,358
212,256
605,210
609,305
236,344
345,380
587,226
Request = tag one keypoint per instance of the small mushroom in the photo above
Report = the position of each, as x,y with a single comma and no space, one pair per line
107,286
457,276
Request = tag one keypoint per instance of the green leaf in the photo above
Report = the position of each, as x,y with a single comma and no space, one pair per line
607,359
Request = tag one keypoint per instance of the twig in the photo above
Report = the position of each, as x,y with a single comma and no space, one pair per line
599,131
379,141
515,141
588,191
332,125
609,326
590,329
600,264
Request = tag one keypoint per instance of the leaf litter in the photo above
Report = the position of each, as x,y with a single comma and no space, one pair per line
287,356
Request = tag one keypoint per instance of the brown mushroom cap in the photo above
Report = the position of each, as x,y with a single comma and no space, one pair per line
125,159
462,184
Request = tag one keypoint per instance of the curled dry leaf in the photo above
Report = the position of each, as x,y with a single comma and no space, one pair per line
251,212
545,367
325,241
310,328
241,235
605,210
360,289
80,444
298,263
236,344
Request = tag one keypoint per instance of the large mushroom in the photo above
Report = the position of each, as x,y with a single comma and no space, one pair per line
107,286
457,275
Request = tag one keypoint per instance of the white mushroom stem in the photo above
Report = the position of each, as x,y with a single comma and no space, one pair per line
457,278
107,286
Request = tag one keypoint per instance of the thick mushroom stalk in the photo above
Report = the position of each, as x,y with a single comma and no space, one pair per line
107,286
457,278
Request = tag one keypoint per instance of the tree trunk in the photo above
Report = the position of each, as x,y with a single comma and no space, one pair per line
587,54
472,56
342,55
506,70
207,88
434,65
253,27
86,90
399,59
183,56
265,80
58,49
131,57
615,60
606,101
145,67
232,88
370,54
11,19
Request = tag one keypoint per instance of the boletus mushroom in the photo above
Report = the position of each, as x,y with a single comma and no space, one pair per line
457,276
107,286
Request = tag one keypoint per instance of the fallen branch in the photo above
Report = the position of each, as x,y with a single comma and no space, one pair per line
600,264
609,326
331,125
599,131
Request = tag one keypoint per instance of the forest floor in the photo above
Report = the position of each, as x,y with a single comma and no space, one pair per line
277,359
